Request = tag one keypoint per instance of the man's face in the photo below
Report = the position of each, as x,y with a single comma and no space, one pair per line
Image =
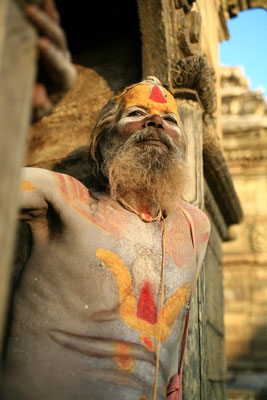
145,151
151,106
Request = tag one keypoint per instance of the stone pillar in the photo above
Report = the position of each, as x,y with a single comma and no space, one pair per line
17,72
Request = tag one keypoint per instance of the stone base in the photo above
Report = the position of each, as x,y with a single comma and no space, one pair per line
241,395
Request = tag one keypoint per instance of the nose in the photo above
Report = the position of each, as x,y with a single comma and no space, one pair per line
155,121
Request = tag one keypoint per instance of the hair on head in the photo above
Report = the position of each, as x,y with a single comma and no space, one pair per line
107,119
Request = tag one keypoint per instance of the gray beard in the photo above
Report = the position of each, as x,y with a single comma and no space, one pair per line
158,173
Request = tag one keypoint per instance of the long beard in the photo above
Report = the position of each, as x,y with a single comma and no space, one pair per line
157,173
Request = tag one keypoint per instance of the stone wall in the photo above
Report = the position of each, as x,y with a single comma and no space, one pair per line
216,366
245,258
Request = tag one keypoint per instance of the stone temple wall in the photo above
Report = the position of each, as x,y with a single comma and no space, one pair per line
244,122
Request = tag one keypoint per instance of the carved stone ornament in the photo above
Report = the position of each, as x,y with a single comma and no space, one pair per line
235,6
189,34
185,4
194,73
258,237
218,176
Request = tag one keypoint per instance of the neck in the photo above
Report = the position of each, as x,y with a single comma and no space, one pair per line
141,204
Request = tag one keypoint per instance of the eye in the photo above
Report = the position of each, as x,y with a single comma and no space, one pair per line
136,113
170,119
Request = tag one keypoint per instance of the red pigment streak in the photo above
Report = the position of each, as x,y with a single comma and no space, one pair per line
203,237
156,95
73,187
148,343
63,185
146,307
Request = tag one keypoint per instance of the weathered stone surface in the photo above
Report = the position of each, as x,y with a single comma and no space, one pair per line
245,259
192,116
68,128
233,123
215,304
216,390
102,72
241,395
234,6
17,72
215,351
191,375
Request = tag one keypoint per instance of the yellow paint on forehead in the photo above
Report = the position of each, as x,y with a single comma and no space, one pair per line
139,96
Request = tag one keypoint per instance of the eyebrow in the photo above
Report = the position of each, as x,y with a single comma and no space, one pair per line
136,105
147,110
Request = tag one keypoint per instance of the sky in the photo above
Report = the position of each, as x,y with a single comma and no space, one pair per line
247,46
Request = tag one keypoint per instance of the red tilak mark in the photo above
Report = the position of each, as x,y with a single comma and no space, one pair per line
156,95
146,307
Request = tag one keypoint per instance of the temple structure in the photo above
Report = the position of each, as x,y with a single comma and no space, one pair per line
244,122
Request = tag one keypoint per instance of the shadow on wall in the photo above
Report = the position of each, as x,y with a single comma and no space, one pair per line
103,37
247,371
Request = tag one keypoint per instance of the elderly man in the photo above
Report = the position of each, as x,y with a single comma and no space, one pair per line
101,306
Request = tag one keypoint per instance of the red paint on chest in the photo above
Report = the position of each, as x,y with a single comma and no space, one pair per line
146,306
156,95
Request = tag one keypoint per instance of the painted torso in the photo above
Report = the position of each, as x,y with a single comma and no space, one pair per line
87,313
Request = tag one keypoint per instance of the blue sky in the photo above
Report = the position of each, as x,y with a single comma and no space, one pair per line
247,46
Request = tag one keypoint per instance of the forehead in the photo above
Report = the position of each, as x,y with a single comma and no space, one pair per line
153,97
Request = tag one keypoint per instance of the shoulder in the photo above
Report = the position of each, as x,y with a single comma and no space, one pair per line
70,188
51,183
199,217
34,175
200,221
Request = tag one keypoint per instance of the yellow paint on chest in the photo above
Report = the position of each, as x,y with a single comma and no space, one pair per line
128,309
124,358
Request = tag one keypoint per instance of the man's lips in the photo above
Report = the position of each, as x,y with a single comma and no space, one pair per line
151,142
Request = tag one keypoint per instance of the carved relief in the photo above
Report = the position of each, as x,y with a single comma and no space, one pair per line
218,176
195,73
185,4
193,77
188,33
247,157
258,237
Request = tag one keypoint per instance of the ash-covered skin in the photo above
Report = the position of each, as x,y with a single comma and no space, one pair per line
87,314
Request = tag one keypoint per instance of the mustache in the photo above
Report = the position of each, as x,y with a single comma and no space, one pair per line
147,134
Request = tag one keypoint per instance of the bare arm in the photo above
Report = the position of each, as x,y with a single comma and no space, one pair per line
202,232
35,186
